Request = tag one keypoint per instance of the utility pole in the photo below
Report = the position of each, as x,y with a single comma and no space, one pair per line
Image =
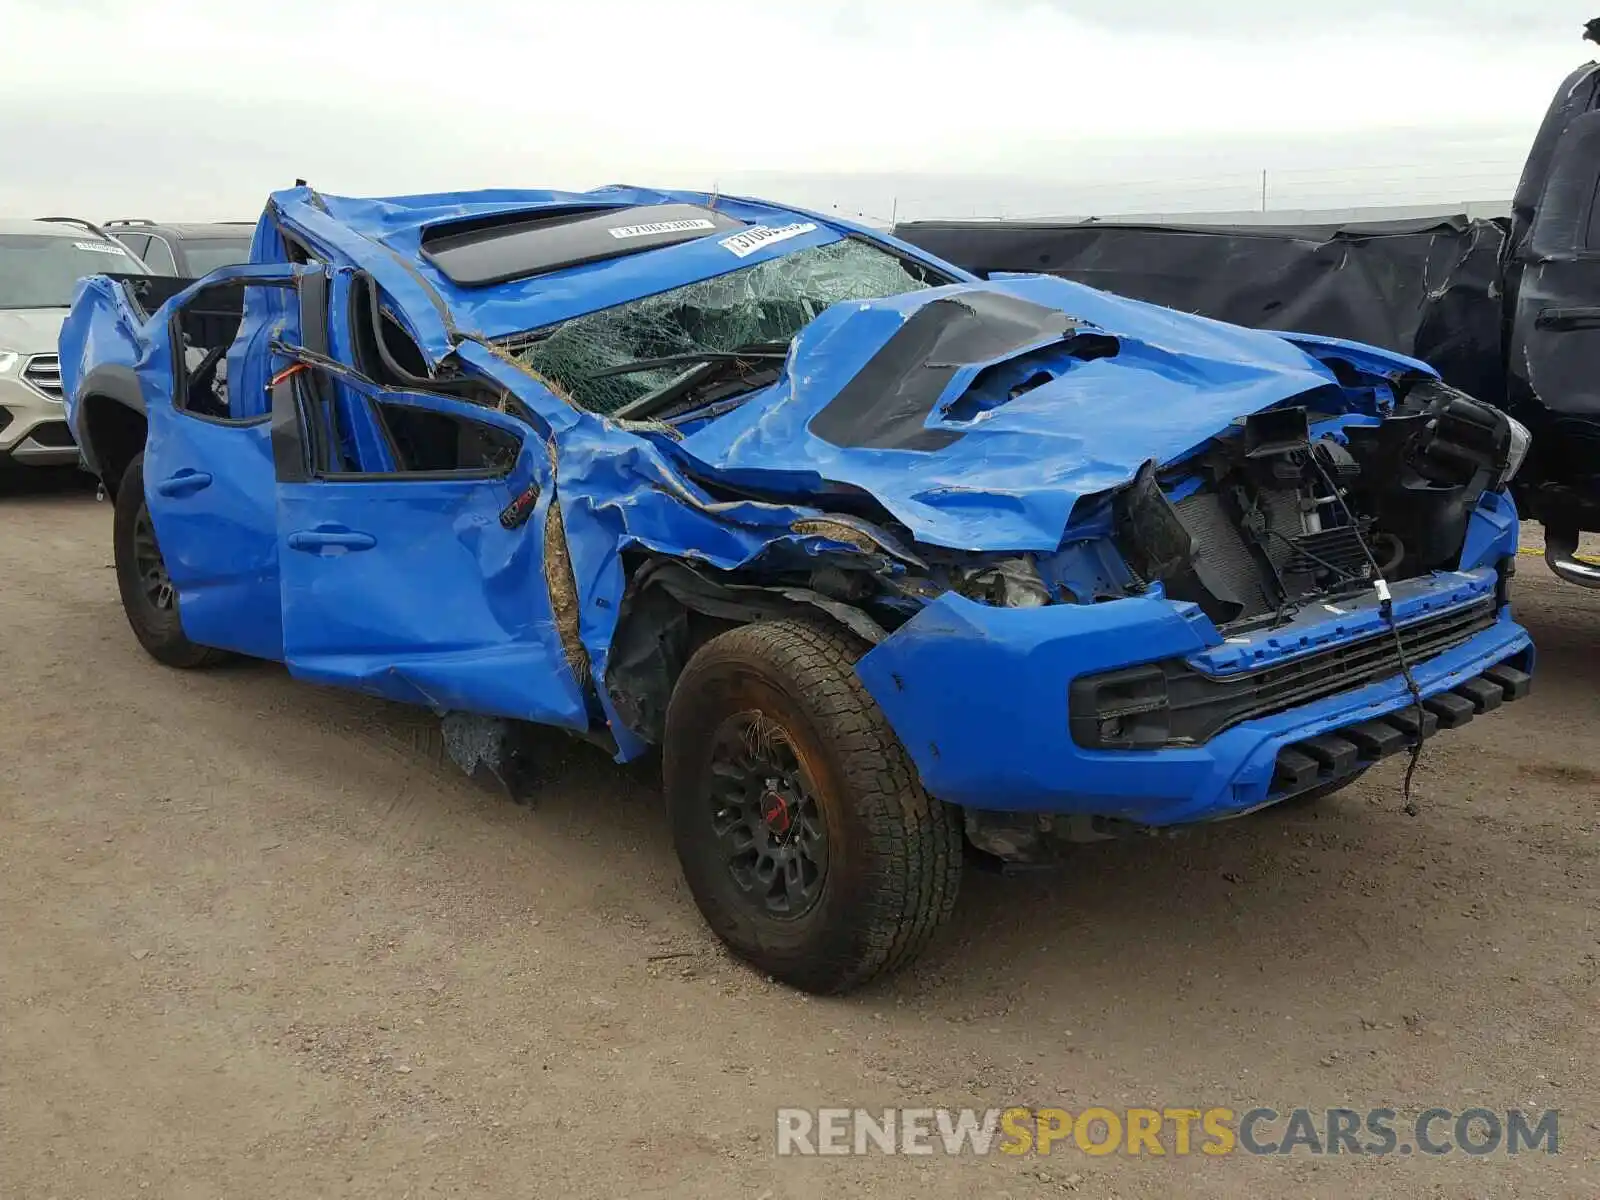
1263,189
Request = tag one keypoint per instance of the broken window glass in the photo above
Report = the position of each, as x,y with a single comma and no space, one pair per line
768,302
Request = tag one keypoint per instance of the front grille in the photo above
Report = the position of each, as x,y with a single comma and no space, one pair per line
1171,703
1270,690
44,373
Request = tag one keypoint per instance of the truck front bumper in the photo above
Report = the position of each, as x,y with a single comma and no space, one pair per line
980,698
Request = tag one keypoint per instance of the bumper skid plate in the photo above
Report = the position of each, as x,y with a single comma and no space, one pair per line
1332,756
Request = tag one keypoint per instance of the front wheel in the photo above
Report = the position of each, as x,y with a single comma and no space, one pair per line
148,598
803,831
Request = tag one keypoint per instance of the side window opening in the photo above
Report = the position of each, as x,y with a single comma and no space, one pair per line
297,251
415,440
424,440
206,332
206,328
384,351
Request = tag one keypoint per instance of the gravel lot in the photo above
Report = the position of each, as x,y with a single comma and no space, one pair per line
255,945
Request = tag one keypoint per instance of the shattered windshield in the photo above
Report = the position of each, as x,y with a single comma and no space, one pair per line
768,302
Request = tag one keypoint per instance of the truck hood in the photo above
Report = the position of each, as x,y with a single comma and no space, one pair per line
979,414
30,330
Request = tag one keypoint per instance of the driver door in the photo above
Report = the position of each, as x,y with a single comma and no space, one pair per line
419,577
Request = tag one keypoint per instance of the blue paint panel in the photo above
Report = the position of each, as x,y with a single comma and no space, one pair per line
1006,745
410,588
209,484
210,492
1492,531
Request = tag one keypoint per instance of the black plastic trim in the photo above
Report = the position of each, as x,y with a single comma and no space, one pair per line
886,405
1194,707
289,461
539,242
1343,753
114,382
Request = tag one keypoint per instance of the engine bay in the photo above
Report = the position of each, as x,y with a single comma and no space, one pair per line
1305,506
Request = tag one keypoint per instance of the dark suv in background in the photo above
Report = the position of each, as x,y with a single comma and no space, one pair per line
187,249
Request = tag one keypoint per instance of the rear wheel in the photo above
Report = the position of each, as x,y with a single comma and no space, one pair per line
148,597
805,836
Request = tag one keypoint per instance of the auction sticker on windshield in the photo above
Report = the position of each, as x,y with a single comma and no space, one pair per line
652,227
742,245
101,248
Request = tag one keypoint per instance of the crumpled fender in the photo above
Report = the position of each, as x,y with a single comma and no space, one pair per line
960,678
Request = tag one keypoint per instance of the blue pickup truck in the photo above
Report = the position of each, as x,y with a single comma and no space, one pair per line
896,566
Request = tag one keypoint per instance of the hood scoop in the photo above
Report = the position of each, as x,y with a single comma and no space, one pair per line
976,391
937,355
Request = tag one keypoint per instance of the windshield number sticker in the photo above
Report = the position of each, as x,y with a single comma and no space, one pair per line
743,245
101,248
650,228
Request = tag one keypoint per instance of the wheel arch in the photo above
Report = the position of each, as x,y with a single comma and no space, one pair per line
111,420
670,609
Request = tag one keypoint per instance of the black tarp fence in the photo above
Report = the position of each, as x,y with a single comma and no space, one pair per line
1429,288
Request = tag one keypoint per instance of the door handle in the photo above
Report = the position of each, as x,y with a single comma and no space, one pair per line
1562,320
185,483
314,540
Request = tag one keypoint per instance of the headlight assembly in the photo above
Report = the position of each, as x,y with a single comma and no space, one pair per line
1521,439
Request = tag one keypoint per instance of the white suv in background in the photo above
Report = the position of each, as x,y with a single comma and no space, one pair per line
40,262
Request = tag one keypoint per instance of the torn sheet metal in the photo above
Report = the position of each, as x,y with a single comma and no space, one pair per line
1006,475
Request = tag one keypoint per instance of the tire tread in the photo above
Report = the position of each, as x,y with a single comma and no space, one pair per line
915,840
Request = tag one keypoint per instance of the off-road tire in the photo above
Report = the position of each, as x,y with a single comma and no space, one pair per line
159,630
894,853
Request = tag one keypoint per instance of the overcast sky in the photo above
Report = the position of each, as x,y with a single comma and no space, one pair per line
194,108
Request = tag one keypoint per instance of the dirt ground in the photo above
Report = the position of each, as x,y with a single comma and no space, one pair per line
253,945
